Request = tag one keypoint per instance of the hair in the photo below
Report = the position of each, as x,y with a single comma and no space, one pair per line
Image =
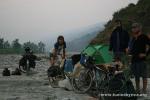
27,49
60,37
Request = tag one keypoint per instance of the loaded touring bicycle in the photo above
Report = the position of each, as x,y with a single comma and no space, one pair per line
27,62
100,74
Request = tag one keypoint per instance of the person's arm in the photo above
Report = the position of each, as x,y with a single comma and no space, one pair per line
64,51
127,39
55,49
36,58
53,54
145,41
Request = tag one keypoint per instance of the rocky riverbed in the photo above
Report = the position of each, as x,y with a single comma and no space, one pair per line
34,86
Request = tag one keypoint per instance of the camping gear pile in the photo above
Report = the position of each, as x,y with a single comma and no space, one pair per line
103,60
100,58
7,72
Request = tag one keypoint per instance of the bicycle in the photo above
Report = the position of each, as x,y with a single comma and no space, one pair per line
27,62
104,82
56,72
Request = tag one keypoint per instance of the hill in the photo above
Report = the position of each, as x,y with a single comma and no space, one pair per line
81,36
139,12
84,37
79,44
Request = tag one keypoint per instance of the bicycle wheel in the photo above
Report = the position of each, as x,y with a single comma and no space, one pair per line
28,67
23,68
83,82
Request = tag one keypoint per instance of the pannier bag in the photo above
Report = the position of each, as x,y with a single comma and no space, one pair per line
68,65
53,71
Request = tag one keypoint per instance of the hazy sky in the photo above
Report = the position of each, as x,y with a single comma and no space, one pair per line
43,18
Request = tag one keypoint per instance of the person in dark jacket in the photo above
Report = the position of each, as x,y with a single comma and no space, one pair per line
139,52
119,41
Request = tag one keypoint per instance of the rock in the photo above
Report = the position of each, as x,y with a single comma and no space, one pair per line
46,83
68,99
15,98
51,98
31,87
65,84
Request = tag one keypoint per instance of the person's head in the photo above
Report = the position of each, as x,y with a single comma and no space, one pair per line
60,39
136,28
118,23
27,49
6,69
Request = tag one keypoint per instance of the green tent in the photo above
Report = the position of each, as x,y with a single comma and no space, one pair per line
99,52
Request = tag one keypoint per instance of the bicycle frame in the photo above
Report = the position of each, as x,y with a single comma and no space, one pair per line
99,80
28,67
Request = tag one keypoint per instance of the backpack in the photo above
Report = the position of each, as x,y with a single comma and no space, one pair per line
16,72
6,72
124,86
116,83
68,67
75,58
53,71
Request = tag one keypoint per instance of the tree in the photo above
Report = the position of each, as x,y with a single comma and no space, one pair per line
16,44
1,43
6,45
31,45
41,46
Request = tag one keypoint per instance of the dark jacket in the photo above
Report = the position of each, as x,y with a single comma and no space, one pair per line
119,40
138,47
149,48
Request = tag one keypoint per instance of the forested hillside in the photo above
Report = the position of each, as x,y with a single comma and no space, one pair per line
133,13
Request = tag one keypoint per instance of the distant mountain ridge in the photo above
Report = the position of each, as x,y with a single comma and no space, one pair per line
78,44
81,36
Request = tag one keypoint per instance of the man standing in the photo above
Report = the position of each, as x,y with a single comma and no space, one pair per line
138,52
119,41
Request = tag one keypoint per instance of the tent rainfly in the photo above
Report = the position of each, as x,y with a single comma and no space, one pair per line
100,53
